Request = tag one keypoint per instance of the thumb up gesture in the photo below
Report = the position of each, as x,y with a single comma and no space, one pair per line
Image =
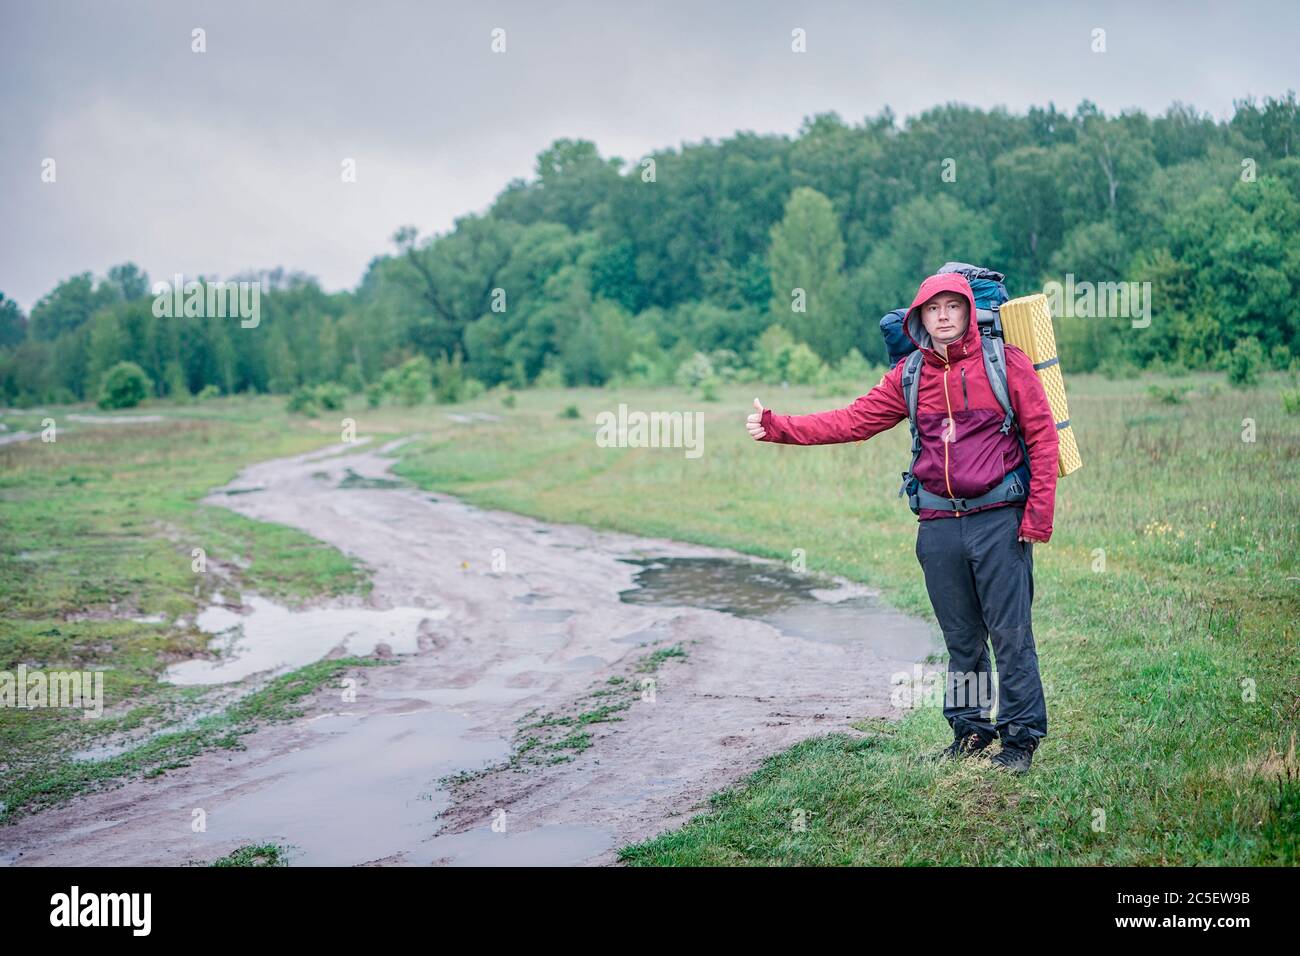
756,430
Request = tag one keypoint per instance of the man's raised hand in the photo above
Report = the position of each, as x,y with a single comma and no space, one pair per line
756,431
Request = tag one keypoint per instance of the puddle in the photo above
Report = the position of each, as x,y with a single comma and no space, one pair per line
365,792
554,845
274,638
799,605
492,688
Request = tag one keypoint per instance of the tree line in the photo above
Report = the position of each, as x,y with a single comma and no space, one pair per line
752,255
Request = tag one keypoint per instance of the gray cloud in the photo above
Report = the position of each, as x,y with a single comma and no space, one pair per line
230,159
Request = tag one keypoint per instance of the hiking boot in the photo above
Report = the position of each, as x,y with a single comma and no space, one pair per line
966,743
1018,748
1013,759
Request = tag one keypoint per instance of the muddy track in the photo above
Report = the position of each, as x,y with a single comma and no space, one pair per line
525,619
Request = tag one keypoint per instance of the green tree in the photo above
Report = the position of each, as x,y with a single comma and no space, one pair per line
806,264
13,324
66,308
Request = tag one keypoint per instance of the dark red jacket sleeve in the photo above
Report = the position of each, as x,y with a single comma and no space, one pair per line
1034,416
880,409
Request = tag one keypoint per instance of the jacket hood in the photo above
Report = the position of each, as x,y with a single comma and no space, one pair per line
969,343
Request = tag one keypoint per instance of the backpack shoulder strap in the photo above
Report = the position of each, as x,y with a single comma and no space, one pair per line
911,382
995,367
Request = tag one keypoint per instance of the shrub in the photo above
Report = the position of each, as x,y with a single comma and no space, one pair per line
1291,401
1280,357
310,399
804,368
1168,396
331,396
410,381
772,354
854,368
1171,367
1117,367
709,390
649,368
640,369
302,401
206,392
727,365
374,394
509,400
570,411
694,370
449,379
125,385
1245,363
552,376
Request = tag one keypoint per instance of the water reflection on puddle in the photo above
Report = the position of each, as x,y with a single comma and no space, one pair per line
274,638
555,845
794,603
365,792
368,792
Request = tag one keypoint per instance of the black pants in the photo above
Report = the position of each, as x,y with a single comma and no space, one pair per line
981,584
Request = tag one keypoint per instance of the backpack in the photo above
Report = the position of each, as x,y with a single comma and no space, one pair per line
992,293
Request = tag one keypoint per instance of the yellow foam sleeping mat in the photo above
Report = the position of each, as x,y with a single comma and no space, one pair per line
1027,324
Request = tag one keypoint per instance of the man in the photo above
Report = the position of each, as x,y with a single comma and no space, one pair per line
977,559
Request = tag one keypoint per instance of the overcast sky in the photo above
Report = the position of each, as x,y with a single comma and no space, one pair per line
230,159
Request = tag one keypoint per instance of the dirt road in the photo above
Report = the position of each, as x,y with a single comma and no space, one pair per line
508,619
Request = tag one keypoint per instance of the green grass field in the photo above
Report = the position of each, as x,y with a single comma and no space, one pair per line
1166,608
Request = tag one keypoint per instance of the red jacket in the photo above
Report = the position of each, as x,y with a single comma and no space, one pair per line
977,455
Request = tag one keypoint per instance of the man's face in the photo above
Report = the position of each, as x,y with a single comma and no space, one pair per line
945,316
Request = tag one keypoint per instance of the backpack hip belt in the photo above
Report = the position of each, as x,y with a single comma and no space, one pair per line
1014,487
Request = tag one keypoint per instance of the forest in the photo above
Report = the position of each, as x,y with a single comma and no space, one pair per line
750,258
